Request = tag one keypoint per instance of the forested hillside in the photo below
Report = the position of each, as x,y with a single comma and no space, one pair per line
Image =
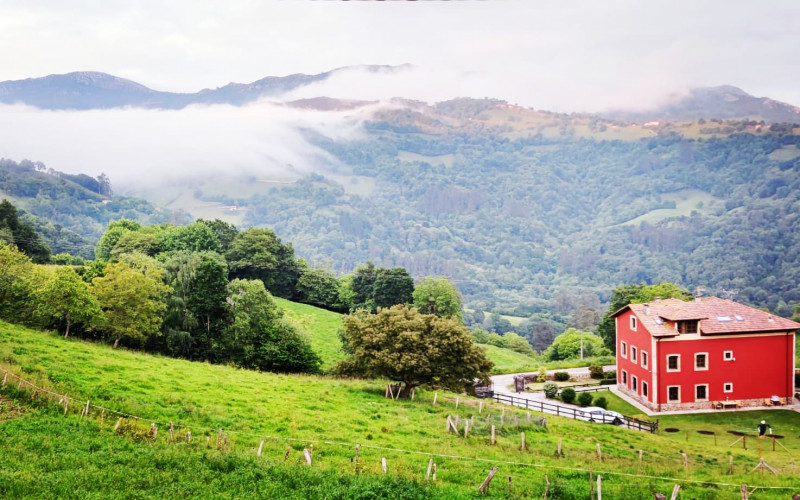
550,215
70,211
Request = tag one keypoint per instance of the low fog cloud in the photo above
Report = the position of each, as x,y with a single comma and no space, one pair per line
137,147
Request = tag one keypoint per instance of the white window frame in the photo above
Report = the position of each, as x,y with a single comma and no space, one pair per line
674,370
727,387
727,355
635,384
645,389
633,354
623,347
708,362
679,394
695,392
643,357
625,378
634,322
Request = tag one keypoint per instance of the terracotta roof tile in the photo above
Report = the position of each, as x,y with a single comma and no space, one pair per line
716,316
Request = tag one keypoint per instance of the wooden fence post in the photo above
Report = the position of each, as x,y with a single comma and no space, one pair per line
383,464
730,465
188,436
456,403
433,478
480,407
675,490
466,428
599,488
510,487
86,410
640,456
546,487
485,484
219,438
492,434
435,394
171,433
286,453
743,489
558,450
413,394
599,453
358,447
102,417
66,403
307,456
529,417
5,377
428,474
260,446
685,460
591,485
522,441
116,426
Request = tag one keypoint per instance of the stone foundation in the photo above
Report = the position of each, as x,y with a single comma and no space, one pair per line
701,405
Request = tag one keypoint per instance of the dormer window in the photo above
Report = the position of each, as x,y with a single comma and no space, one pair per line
689,326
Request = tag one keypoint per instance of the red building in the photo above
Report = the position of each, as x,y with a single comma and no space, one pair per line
709,353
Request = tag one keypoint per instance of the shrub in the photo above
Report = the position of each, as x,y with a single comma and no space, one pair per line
596,371
601,402
561,376
568,395
542,376
550,389
612,375
608,381
585,399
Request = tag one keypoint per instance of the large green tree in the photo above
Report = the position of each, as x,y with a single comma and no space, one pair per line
258,337
259,254
635,294
393,286
132,300
439,296
24,236
66,297
320,288
19,280
402,344
568,346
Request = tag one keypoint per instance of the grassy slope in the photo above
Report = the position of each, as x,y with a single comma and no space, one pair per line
321,326
334,415
508,361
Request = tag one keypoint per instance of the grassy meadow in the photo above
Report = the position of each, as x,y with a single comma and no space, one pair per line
45,452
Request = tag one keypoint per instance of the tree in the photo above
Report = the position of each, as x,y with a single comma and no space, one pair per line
225,232
66,297
392,286
259,254
634,294
19,279
320,288
111,236
257,336
196,237
518,344
404,345
438,296
132,301
24,236
363,286
568,345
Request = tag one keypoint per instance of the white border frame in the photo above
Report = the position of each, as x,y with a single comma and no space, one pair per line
634,354
679,394
696,400
725,356
675,370
623,349
634,323
725,387
708,361
644,357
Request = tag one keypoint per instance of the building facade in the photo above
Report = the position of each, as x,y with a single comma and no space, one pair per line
708,353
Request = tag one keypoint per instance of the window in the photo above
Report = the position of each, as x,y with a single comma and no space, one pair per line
644,389
701,392
674,393
623,349
633,354
728,387
633,323
644,359
701,361
687,326
674,363
727,355
634,383
625,378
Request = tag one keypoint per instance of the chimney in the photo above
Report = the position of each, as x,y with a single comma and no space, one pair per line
647,309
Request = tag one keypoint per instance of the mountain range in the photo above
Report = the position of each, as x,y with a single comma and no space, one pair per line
86,90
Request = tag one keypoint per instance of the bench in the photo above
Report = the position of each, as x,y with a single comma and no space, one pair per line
776,402
726,404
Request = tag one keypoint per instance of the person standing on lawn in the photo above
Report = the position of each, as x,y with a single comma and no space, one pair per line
762,429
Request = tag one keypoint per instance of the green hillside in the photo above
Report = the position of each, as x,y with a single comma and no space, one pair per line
321,326
46,453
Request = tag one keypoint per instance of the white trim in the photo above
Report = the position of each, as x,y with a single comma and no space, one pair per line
643,357
634,352
725,387
679,394
728,356
623,347
674,370
634,322
708,362
654,369
695,392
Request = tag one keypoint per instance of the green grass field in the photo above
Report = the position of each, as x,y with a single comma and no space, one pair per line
45,453
321,326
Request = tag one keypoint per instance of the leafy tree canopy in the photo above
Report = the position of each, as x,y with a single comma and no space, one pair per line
66,298
568,346
417,349
439,296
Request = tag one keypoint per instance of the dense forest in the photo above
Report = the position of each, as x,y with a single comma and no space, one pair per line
543,224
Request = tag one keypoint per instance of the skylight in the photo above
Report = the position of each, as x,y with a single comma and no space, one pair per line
723,318
739,317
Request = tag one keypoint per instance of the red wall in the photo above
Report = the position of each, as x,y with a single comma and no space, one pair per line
762,367
641,340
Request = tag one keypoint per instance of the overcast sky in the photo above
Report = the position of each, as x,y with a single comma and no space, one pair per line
563,56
